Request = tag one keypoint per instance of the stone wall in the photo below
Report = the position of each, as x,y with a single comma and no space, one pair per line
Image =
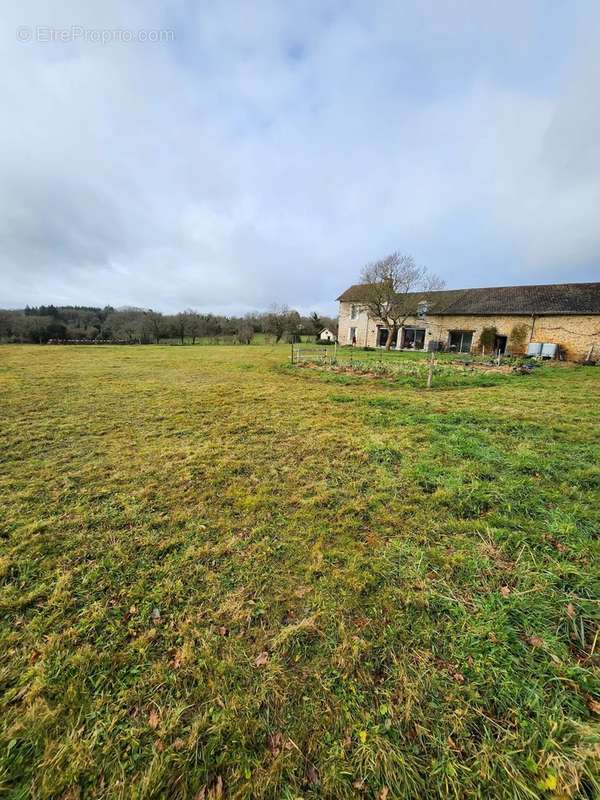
575,334
365,328
440,327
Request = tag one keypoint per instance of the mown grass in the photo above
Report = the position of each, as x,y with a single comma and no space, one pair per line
221,577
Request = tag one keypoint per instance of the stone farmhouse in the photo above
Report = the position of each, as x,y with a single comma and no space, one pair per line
515,317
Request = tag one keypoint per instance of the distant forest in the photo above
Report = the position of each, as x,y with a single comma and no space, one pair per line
43,324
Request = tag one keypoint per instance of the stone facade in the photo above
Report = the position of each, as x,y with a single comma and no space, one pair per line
574,333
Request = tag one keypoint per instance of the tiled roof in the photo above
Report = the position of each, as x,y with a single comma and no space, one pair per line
561,298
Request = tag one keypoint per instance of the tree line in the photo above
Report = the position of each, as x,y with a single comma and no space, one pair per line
41,324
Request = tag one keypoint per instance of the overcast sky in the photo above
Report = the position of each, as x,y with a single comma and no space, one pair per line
263,151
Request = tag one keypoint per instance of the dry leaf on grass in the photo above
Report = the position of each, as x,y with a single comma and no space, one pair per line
312,776
571,611
218,789
278,742
175,661
558,545
262,659
214,793
505,591
535,641
153,719
593,705
301,591
275,742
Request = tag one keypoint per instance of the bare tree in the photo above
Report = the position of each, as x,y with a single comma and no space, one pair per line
126,324
277,321
180,325
394,287
155,323
7,324
195,325
244,333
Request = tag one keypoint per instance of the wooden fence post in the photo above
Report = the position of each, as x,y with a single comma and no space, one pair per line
430,371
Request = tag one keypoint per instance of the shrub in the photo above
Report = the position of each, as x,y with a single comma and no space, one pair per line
518,338
488,337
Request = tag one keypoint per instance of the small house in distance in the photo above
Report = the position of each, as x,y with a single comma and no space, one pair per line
327,336
505,319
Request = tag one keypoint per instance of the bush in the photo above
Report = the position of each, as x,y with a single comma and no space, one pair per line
488,338
518,339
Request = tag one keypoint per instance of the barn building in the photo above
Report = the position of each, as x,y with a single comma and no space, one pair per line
505,319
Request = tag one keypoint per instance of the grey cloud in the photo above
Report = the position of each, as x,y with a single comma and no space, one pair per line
269,151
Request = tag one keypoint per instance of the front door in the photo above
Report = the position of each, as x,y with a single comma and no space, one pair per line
383,337
500,345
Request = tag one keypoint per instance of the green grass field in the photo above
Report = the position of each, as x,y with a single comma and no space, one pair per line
222,576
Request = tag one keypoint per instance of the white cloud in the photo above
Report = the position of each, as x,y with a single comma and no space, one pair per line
270,150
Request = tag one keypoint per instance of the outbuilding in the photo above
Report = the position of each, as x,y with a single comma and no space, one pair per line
327,336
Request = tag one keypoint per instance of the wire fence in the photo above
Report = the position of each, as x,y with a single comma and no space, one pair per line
426,371
334,356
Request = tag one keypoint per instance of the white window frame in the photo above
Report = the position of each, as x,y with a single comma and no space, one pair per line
351,334
353,311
